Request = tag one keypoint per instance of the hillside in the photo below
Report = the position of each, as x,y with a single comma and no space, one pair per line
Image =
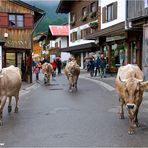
51,17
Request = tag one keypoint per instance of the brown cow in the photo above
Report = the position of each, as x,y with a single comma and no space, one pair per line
47,70
10,84
72,71
130,87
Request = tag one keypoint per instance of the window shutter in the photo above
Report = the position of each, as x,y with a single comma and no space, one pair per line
28,21
114,10
103,14
71,37
3,20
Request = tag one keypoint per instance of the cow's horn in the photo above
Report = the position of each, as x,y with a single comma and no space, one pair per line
139,80
124,80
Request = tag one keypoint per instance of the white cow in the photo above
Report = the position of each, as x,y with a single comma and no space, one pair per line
10,84
72,71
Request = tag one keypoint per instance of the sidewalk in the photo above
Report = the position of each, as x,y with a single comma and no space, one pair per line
110,78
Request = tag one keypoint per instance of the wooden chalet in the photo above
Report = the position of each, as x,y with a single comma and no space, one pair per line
17,23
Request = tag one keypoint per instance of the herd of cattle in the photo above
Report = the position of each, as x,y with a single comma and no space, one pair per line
129,85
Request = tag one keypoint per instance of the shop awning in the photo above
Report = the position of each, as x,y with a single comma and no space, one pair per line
80,48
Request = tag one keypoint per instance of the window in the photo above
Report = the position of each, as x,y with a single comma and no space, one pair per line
93,10
84,11
145,3
109,13
72,19
93,7
56,44
73,36
16,20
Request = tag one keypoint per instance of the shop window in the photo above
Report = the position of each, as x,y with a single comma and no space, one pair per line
10,59
16,20
118,55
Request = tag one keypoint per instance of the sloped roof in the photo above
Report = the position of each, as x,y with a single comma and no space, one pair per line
38,12
59,30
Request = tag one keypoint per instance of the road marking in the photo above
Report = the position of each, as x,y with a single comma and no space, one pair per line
28,89
108,87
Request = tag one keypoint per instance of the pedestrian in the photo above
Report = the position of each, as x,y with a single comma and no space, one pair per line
91,66
103,64
95,67
59,65
54,65
37,71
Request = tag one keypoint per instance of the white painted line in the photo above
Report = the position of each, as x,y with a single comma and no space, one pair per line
28,89
23,92
108,87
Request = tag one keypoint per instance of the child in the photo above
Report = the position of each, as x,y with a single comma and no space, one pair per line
36,71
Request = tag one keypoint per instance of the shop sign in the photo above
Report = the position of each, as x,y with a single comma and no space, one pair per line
114,38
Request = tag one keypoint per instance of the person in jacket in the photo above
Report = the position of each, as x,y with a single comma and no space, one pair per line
59,65
91,66
37,71
54,65
103,64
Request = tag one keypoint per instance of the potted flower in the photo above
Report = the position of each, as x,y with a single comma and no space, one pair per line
93,25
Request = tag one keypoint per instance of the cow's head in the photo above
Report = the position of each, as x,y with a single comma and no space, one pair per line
133,91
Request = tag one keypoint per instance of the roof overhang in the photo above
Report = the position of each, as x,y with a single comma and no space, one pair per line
80,48
64,6
110,31
38,13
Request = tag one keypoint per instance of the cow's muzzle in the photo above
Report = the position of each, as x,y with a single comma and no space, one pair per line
130,106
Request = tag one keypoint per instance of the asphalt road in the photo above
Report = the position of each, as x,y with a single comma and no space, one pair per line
50,116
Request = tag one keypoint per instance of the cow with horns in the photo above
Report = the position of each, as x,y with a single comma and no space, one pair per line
130,86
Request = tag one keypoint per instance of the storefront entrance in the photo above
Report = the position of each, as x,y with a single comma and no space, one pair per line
19,59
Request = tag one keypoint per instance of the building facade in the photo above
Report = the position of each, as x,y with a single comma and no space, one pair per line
17,20
137,24
83,20
58,36
119,44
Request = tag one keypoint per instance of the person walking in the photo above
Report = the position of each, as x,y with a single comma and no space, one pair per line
59,65
103,64
54,65
37,71
91,67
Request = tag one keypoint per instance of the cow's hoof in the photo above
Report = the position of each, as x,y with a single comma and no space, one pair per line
16,110
130,131
121,116
9,109
136,124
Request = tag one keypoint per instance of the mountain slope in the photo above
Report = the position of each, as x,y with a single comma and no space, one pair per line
51,17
